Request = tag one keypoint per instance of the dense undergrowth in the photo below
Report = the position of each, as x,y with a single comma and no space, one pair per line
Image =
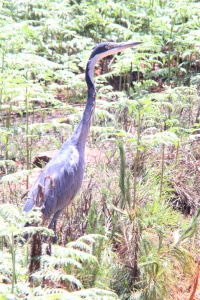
132,233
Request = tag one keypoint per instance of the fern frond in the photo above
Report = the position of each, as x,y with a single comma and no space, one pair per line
53,294
60,261
102,114
5,268
70,252
95,293
5,290
9,214
56,276
104,90
99,129
79,245
166,137
191,230
92,237
15,177
30,230
7,162
34,214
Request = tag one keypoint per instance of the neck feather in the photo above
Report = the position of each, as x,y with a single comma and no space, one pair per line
91,97
81,133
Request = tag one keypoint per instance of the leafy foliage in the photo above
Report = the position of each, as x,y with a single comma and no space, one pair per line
134,226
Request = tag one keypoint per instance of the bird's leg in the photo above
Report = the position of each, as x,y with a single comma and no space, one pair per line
52,225
54,238
55,217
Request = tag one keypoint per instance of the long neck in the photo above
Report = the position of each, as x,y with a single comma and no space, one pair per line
81,132
91,97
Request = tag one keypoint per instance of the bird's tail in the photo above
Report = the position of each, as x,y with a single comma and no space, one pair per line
30,202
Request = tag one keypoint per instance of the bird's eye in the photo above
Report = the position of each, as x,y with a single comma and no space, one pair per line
108,46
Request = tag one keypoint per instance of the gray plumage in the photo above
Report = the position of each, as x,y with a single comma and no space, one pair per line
61,179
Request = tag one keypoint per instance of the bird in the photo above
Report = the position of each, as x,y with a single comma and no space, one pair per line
61,179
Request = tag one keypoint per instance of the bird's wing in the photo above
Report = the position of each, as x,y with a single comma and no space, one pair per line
58,183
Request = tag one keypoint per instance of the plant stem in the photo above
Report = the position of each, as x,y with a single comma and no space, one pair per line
120,80
2,71
138,74
169,64
8,127
13,263
129,77
122,173
162,170
27,132
177,152
136,160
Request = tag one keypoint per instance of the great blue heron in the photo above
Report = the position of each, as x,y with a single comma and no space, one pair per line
60,180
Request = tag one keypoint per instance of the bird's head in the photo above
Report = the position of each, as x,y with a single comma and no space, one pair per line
102,50
109,48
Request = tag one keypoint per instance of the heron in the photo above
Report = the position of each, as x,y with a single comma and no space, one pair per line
62,177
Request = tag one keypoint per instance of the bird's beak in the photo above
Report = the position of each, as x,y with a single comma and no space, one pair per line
118,47
125,45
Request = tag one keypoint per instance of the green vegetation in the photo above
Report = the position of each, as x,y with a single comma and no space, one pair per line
132,232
